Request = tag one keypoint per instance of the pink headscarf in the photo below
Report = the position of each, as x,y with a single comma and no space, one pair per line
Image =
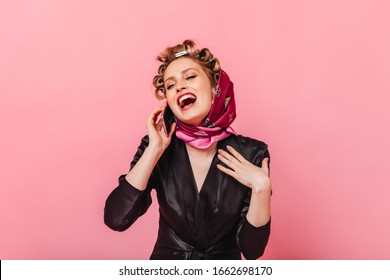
216,126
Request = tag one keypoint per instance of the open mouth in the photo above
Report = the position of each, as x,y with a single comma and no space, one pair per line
186,99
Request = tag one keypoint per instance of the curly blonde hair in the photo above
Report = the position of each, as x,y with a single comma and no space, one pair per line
203,57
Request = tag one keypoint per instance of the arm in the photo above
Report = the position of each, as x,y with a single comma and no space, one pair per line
126,202
252,240
259,212
254,228
158,142
132,198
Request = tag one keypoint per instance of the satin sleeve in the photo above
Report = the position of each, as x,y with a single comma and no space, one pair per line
126,204
253,240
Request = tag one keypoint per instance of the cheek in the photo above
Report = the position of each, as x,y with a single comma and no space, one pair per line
212,96
207,103
170,100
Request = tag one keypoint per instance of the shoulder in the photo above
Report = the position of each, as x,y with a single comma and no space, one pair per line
252,149
251,142
247,144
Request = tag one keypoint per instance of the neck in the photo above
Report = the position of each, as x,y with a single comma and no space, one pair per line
205,152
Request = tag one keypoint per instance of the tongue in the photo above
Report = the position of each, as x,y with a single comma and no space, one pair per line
187,102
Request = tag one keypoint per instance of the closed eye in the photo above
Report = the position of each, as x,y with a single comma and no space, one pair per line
170,86
190,77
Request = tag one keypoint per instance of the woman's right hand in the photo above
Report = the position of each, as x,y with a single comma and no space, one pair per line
139,175
157,138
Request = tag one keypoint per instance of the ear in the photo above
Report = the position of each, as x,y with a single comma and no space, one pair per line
163,92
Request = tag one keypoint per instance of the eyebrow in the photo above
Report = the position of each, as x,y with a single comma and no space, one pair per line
182,72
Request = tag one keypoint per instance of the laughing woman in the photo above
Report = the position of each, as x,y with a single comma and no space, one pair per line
212,185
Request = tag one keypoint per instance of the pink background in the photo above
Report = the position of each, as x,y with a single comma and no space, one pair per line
311,80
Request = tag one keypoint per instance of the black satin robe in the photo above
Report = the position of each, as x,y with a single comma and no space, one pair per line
210,224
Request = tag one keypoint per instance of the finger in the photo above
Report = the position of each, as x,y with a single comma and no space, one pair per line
264,166
227,162
226,170
228,156
154,115
159,125
236,154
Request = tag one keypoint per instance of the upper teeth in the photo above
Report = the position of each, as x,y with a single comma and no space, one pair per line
186,96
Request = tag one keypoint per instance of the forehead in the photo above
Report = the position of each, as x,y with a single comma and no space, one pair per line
179,65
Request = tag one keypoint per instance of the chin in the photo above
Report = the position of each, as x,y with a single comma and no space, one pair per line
191,117
190,120
195,122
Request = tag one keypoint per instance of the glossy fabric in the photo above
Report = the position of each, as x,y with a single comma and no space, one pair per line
210,224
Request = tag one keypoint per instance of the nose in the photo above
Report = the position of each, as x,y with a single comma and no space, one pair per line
180,85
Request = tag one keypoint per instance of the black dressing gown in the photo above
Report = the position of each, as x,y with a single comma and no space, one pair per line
210,224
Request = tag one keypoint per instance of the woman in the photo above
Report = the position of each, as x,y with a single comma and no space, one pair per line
212,185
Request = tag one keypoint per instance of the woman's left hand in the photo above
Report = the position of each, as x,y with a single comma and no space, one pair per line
248,174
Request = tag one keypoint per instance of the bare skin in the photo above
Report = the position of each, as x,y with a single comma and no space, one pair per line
253,177
186,76
200,162
158,142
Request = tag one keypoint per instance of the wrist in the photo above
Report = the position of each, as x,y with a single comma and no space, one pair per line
260,184
154,151
262,190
